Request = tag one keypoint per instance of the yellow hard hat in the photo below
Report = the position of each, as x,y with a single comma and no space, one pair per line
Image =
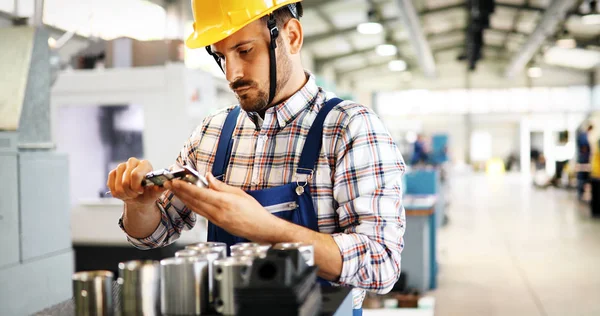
214,20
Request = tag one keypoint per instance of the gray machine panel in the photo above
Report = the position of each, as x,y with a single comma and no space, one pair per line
33,286
9,210
45,209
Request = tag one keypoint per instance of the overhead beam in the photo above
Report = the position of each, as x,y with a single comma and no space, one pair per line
355,71
349,30
327,60
553,15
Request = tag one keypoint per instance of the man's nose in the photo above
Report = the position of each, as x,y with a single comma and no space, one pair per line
233,71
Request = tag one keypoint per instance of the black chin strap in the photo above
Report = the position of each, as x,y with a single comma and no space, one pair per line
274,33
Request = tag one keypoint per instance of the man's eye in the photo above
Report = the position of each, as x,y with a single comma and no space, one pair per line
246,51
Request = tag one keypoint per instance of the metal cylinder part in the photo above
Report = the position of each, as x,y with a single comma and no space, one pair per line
186,253
239,249
184,286
211,255
140,287
306,250
93,293
221,246
229,274
242,245
249,252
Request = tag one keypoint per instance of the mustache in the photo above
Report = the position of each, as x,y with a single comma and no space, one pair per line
241,84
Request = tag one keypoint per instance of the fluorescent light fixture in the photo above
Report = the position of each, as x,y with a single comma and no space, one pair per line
369,28
397,65
591,19
534,72
566,43
386,50
580,58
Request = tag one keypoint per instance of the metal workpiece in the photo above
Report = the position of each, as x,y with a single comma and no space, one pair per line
209,245
184,286
211,255
306,250
92,292
249,252
140,287
186,253
229,274
239,249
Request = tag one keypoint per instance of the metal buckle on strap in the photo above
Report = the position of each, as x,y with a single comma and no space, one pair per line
305,181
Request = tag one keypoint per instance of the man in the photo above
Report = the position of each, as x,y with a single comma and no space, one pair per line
420,154
296,164
583,158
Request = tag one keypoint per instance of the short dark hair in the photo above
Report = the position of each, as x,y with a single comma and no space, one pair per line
283,14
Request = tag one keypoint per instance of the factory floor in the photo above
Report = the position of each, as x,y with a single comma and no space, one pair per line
511,249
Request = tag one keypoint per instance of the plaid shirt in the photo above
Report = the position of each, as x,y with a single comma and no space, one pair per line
356,188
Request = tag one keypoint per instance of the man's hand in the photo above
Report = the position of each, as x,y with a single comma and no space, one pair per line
241,215
228,207
125,183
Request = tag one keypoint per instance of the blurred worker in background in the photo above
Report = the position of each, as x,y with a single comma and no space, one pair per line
287,143
420,153
583,158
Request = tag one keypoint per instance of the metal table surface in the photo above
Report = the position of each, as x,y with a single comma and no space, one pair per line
335,302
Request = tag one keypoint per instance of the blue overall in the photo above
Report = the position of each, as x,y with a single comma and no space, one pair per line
293,201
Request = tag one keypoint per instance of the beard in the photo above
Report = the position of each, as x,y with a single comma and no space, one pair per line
256,98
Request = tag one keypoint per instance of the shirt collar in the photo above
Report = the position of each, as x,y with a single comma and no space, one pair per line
286,111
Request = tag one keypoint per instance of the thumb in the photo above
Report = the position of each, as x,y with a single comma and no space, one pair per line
217,185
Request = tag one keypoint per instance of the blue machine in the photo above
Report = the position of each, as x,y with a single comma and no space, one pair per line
423,182
439,149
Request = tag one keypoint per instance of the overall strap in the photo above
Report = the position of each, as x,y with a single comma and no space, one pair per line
225,144
312,146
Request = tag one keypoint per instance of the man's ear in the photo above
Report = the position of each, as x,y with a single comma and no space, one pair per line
295,35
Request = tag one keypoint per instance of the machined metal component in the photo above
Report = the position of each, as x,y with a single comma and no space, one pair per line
186,253
249,252
211,254
306,250
242,246
140,287
93,293
184,286
221,246
229,274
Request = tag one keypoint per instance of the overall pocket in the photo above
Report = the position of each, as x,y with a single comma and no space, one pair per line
283,210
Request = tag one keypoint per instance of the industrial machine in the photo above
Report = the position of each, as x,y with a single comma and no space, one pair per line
36,260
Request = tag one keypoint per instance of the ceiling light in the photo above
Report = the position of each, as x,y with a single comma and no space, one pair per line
51,42
386,50
397,65
369,28
566,43
591,19
565,40
579,58
534,72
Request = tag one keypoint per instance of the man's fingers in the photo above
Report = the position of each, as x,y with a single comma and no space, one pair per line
127,185
110,183
217,185
118,181
137,175
188,194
